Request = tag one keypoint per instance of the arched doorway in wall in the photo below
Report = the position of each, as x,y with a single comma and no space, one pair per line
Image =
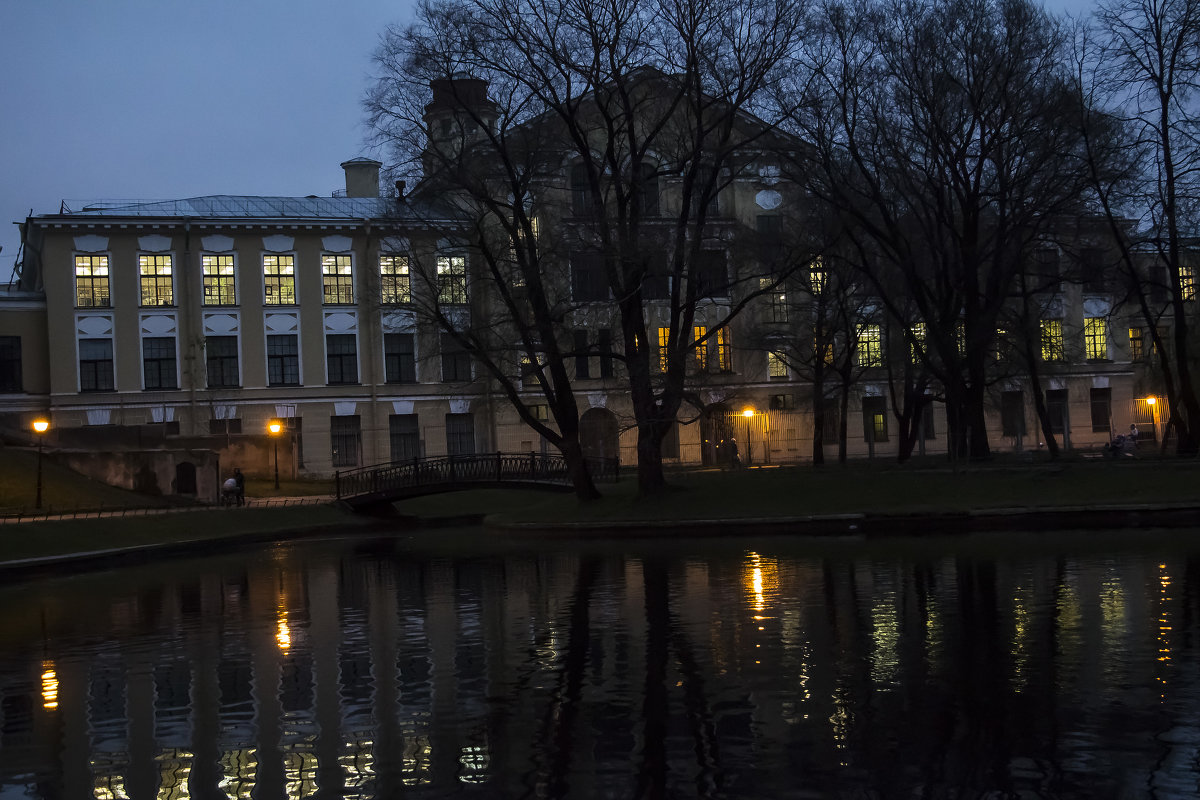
715,431
598,434
185,478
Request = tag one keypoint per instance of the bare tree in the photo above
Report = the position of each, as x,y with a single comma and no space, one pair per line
618,126
942,132
1139,71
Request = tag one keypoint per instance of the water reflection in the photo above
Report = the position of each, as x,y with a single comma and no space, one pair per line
322,670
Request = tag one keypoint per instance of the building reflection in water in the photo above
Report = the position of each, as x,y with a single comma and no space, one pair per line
324,671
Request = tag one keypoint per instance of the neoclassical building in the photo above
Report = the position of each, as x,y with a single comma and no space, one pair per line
140,324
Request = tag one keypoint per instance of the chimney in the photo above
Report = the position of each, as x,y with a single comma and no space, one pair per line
362,177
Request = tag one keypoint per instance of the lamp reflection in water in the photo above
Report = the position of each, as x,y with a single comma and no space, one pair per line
49,686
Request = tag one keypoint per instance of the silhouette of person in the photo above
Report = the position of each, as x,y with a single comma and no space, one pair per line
240,479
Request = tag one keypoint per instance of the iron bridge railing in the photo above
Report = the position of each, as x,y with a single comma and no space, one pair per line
399,477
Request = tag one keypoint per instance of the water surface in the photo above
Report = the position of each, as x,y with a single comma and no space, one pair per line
693,668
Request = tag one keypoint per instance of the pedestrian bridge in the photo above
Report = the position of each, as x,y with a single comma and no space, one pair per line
368,488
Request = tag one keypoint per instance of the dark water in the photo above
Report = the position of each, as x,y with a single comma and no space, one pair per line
710,669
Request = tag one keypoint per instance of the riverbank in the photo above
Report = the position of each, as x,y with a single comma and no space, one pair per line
861,500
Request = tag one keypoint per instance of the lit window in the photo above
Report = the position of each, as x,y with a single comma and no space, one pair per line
664,338
1137,350
219,287
724,351
870,346
395,284
776,366
818,278
337,277
91,282
875,419
155,272
452,279
1052,340
824,352
1095,338
1187,284
917,346
701,347
279,280
960,338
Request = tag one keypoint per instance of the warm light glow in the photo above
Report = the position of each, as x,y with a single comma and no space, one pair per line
41,425
1151,400
749,412
49,686
283,634
274,426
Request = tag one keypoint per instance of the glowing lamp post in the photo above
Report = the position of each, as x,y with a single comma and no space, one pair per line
748,413
275,426
40,426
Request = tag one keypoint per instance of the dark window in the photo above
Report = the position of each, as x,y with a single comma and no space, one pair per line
782,402
605,346
404,436
656,285
770,228
399,358
1056,409
1012,413
95,365
221,356
225,426
456,361
582,361
1093,270
460,434
345,440
283,360
10,363
581,193
712,279
875,419
647,203
1045,269
341,358
587,278
158,363
1101,410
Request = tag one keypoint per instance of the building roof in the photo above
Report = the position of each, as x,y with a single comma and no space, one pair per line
224,206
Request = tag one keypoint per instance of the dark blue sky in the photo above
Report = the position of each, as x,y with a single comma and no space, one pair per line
165,99
160,99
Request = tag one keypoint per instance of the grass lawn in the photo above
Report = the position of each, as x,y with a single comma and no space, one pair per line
765,493
803,491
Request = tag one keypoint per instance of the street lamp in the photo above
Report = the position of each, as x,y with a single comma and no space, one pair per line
40,426
748,413
275,426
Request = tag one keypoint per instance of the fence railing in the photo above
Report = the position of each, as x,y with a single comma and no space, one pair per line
460,470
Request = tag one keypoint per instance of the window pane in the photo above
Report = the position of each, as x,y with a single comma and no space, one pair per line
399,358
283,360
155,272
219,286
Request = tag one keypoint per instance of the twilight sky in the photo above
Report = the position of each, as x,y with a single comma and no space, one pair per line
161,99
166,99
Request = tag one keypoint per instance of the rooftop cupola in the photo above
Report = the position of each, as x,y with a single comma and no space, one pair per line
362,177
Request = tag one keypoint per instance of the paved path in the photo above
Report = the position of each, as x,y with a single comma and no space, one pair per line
50,515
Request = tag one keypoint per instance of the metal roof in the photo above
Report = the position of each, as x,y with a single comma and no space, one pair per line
245,207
